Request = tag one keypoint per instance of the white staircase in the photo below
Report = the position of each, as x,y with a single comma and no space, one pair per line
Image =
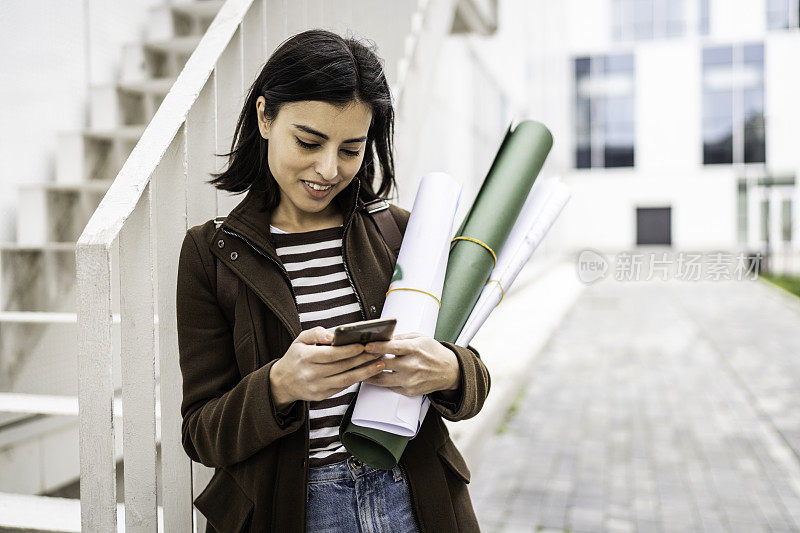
38,322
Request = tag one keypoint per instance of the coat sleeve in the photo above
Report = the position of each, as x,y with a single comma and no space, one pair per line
473,388
226,417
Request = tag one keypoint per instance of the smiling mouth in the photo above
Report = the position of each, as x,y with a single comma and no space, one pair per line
317,186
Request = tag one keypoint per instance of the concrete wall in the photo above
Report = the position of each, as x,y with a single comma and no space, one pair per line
53,50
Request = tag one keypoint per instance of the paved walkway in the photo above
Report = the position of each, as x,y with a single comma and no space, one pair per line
656,406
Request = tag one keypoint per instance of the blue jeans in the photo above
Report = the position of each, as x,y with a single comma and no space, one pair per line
350,496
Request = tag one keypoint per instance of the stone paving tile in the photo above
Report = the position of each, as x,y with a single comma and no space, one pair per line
655,407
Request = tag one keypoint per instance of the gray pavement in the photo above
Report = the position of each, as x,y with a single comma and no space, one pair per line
655,406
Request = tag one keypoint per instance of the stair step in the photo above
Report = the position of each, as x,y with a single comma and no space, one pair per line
39,353
182,45
57,212
40,514
128,103
185,18
156,86
202,9
86,186
37,277
38,247
47,404
119,133
96,153
40,317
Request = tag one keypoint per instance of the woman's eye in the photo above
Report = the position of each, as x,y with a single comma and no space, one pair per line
305,145
311,146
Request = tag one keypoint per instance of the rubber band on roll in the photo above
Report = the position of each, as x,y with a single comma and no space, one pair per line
438,301
502,292
476,241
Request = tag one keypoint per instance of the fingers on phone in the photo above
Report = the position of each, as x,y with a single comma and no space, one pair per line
315,335
357,361
333,354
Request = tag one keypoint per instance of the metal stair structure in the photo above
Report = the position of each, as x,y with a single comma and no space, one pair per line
39,366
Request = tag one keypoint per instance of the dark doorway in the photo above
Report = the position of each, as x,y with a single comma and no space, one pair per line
654,225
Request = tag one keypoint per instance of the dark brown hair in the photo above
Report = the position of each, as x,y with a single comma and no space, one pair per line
314,65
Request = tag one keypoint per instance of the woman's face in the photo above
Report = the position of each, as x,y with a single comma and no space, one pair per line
315,150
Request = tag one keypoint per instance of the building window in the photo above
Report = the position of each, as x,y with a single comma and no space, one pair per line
786,220
741,212
648,19
765,220
782,14
604,120
733,104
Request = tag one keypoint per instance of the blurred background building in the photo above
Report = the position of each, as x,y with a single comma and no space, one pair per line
676,122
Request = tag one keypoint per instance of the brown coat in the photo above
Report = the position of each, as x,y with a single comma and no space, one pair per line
229,421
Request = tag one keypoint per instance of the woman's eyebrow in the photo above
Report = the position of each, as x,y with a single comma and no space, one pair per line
320,134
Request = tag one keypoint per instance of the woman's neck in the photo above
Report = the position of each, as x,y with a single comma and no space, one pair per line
295,221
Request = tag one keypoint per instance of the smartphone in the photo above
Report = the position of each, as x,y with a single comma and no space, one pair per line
379,329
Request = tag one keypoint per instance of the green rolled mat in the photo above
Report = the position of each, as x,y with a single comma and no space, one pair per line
378,449
489,221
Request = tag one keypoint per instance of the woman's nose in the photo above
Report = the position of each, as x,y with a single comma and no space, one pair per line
326,166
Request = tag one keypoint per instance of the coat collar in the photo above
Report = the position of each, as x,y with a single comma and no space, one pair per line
249,220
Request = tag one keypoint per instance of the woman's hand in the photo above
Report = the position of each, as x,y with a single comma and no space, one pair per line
422,365
310,372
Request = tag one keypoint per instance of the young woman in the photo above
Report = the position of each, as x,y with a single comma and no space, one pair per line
263,389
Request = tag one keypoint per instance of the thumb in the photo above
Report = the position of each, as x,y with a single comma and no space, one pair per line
315,335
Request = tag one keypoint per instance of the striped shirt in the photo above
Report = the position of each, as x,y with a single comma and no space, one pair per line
324,297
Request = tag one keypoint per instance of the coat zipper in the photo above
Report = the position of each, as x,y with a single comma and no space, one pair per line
344,254
294,297
410,497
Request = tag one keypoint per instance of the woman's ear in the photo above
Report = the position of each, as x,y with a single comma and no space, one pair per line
263,123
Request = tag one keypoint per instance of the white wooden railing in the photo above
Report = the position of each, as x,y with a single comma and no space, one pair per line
158,192
157,195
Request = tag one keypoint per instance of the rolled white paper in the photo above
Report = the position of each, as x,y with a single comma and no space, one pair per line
544,204
421,266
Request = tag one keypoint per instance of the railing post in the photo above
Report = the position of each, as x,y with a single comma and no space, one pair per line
200,130
229,88
169,207
137,357
96,389
253,31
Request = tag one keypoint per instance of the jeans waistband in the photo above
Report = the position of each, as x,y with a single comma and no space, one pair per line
350,468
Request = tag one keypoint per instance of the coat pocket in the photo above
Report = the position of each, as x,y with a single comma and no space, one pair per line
224,504
452,458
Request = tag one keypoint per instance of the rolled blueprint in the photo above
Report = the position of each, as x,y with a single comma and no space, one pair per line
380,422
488,223
544,204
